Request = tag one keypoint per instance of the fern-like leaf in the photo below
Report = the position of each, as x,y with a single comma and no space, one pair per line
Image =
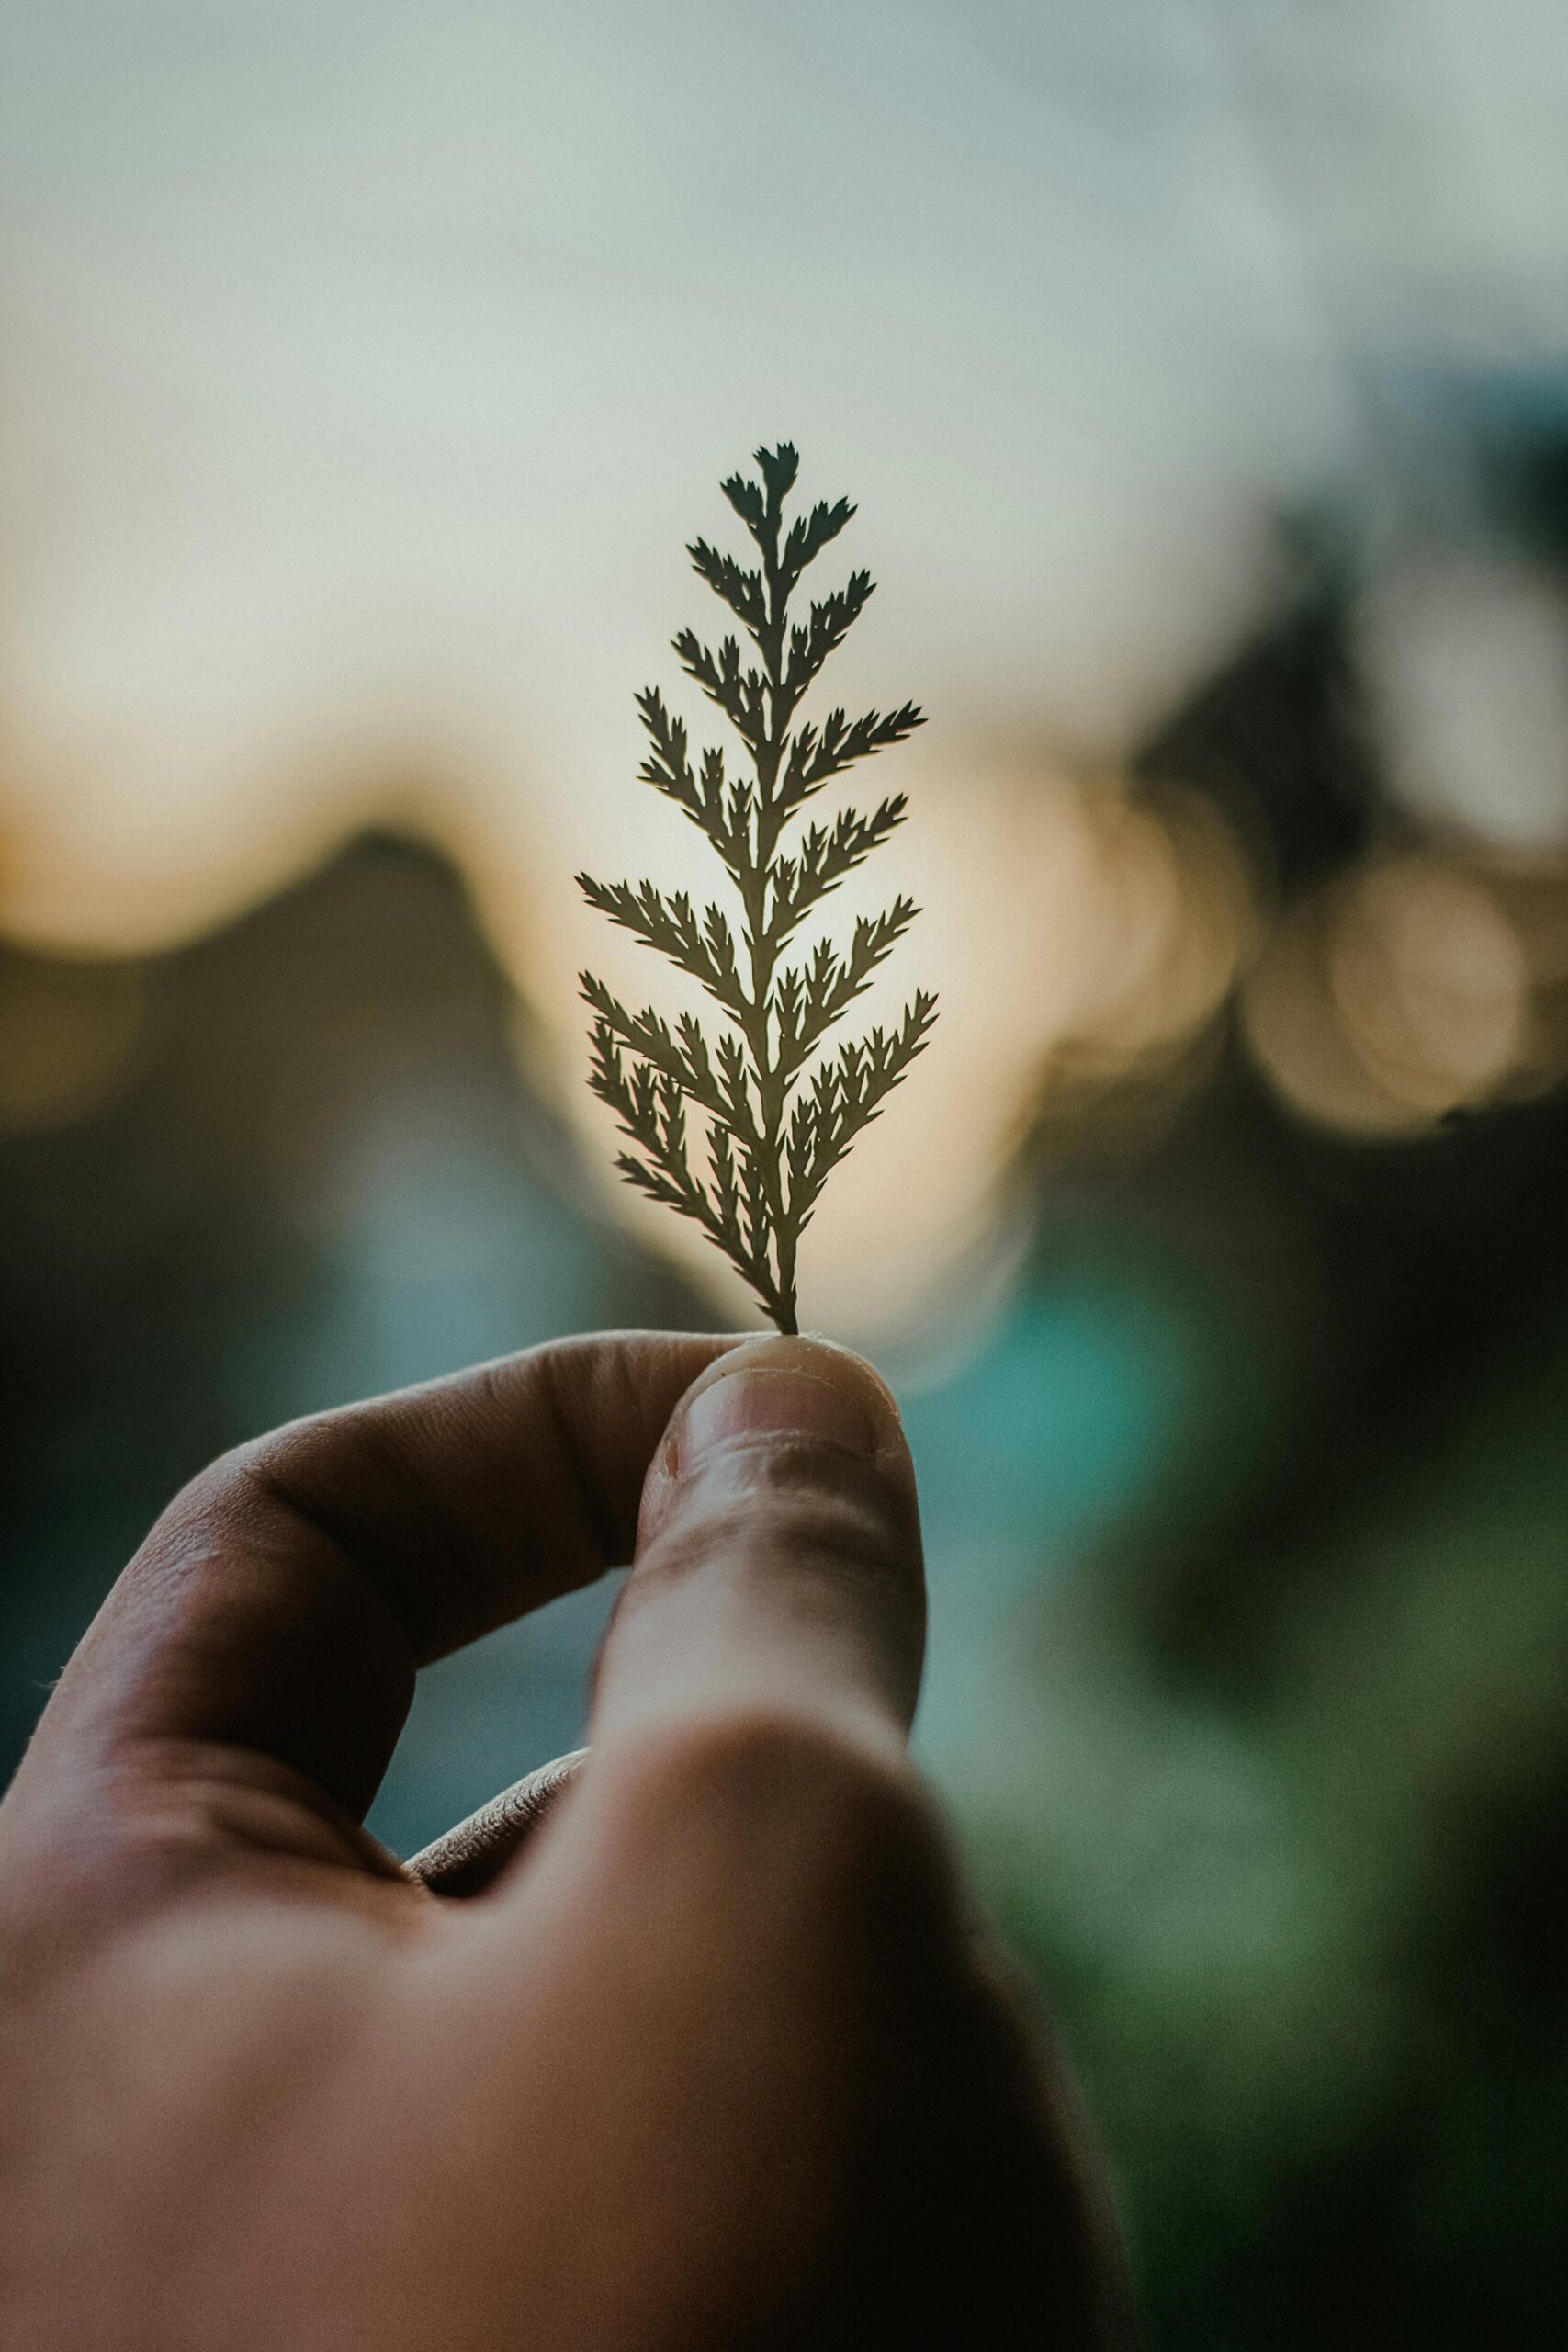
775,1126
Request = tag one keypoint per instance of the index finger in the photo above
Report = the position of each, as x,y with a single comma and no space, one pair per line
284,1601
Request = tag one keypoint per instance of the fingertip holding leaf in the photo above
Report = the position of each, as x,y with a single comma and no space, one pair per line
780,1114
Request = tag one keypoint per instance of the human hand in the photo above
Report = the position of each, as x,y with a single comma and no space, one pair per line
712,2059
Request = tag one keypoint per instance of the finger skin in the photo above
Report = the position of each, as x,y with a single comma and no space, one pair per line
780,1571
733,2084
812,2084
712,2067
779,1564
256,1660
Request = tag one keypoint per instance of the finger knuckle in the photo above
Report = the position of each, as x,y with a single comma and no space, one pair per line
778,1504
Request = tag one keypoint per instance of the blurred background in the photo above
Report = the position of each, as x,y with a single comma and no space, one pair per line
1200,367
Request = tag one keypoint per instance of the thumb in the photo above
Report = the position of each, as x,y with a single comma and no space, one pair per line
778,1565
